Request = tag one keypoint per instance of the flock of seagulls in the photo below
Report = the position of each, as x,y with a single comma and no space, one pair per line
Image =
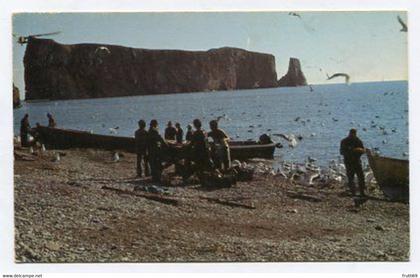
307,173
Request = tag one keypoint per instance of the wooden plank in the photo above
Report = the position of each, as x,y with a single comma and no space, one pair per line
150,196
303,196
228,203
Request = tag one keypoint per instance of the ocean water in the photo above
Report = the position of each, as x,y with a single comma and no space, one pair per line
378,110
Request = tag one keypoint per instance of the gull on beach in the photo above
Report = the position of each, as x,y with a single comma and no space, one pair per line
116,157
311,160
57,157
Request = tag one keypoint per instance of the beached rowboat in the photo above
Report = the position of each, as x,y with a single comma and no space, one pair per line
65,138
391,174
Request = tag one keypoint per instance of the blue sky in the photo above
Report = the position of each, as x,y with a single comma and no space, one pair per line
366,45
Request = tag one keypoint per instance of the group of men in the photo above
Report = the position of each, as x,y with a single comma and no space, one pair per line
25,128
150,147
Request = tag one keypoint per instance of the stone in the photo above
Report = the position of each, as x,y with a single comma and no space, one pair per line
53,246
379,228
294,76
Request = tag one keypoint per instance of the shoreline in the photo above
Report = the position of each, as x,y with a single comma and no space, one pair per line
66,212
34,101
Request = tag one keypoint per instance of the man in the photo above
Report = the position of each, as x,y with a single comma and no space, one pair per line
179,133
25,128
352,148
141,137
154,147
200,151
220,151
189,134
170,132
51,121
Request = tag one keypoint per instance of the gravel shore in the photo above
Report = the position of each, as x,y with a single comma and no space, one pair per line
66,212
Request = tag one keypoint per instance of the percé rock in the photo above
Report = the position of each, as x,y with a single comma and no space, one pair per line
294,76
58,71
16,97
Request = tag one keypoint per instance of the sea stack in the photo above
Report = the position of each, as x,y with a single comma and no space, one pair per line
16,97
294,76
59,71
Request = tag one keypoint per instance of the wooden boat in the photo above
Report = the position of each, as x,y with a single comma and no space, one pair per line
391,174
65,138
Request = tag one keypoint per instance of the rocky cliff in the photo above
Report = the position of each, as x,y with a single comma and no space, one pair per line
16,97
294,76
58,71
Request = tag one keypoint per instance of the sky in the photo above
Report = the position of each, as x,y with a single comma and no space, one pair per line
367,45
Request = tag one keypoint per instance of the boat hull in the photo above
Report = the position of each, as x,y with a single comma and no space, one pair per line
392,175
65,139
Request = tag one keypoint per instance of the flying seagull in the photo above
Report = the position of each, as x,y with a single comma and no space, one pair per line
404,26
295,14
345,75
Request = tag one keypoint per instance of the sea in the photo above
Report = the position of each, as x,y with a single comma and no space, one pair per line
322,116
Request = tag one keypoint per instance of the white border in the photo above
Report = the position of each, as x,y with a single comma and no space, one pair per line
7,264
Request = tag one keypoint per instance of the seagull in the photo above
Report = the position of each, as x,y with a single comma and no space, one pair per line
310,88
113,130
404,26
57,157
102,50
116,157
295,14
345,75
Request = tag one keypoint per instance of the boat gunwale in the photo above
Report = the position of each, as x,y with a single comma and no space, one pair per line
82,132
376,156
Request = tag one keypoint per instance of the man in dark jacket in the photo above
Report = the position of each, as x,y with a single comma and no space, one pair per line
200,150
141,137
220,151
51,122
25,128
179,133
352,149
189,134
170,132
154,147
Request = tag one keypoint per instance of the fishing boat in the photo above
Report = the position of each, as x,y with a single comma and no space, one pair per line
391,174
66,138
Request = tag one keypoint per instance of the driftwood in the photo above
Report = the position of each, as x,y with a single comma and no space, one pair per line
303,196
23,156
149,196
228,203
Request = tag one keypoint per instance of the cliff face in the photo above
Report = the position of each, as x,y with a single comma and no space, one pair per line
57,71
294,76
16,97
